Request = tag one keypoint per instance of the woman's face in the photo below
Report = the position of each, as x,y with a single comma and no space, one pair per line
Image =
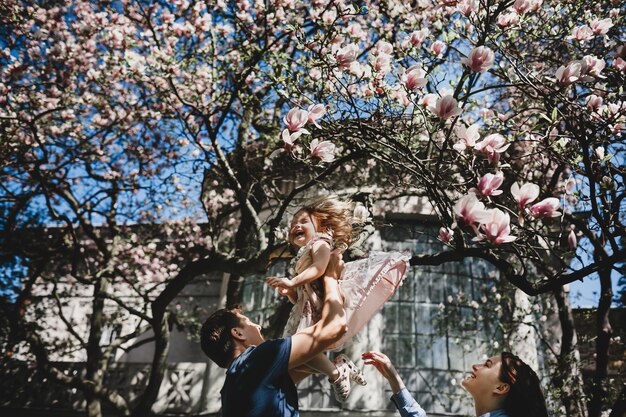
303,228
484,378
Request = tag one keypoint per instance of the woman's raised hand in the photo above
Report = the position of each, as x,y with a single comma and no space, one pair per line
383,364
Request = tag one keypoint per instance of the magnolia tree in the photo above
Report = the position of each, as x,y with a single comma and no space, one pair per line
507,117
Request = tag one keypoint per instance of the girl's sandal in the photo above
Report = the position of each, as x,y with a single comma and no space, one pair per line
355,373
341,385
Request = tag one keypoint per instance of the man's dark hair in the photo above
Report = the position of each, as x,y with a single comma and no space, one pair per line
216,339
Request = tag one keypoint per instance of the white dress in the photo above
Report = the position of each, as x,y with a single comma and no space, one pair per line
366,284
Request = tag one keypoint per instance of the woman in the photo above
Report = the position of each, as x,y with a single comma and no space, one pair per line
502,386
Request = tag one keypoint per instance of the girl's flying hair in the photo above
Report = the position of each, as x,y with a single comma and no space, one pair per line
333,216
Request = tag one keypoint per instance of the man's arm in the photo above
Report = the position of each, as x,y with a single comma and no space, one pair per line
331,326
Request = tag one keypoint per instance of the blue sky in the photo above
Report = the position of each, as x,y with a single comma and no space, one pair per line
586,293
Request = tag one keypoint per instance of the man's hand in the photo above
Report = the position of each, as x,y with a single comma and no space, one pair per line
381,362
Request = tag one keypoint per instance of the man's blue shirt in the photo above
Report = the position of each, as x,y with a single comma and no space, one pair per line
258,383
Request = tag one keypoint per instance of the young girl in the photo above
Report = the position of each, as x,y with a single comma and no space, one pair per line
365,285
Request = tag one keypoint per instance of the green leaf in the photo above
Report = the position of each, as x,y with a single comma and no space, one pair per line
545,116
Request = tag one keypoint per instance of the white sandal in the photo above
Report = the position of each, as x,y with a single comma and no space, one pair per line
355,373
341,385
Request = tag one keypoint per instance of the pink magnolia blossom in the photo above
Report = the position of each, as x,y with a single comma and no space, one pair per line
569,74
620,64
480,59
402,97
290,138
356,31
508,19
572,241
361,214
615,109
383,47
582,33
618,128
446,107
467,7
315,74
591,67
329,16
347,55
492,146
445,234
601,27
548,207
316,111
599,151
469,209
496,226
296,119
323,150
428,100
593,102
414,78
338,39
382,64
525,194
488,185
522,6
438,48
416,38
358,70
535,5
467,137
486,114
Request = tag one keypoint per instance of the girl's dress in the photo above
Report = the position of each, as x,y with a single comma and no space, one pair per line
366,284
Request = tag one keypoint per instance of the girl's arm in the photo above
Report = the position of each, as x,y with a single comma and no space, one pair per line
320,253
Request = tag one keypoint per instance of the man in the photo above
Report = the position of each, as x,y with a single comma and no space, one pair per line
261,375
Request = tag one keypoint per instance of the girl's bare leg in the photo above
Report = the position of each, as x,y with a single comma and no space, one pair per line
323,365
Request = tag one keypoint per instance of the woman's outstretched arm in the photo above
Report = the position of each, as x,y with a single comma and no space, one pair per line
402,398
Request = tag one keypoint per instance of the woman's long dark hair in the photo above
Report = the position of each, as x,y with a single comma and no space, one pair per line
525,398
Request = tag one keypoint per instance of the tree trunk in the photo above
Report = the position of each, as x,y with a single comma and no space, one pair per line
619,408
234,293
567,378
94,350
159,363
603,327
